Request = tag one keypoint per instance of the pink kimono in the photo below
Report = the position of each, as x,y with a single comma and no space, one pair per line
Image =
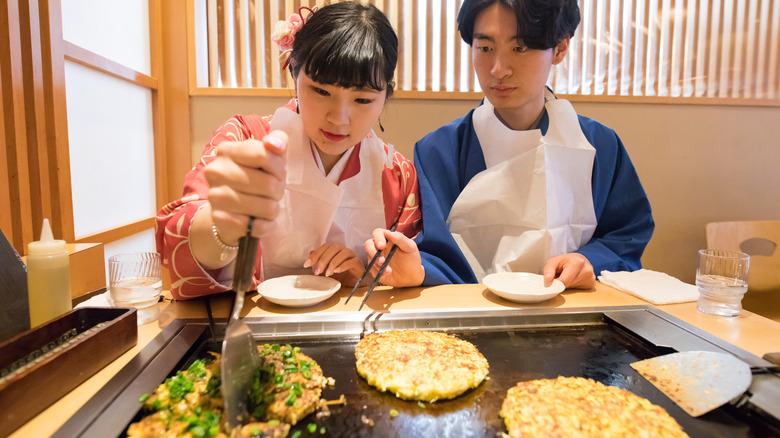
189,279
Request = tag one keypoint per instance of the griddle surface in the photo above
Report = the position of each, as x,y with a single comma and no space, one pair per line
601,352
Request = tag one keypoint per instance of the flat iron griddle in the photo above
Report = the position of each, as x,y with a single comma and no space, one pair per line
519,346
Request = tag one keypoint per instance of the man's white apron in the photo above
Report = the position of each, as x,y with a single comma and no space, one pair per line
533,201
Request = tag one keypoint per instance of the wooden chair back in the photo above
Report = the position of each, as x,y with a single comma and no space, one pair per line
760,240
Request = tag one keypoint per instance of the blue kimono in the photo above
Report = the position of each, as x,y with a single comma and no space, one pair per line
447,159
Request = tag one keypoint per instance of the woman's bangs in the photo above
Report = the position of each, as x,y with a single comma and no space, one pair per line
348,61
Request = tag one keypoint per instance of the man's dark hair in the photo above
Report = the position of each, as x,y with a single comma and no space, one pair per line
541,24
347,44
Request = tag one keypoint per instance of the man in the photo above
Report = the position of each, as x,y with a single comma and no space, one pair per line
522,183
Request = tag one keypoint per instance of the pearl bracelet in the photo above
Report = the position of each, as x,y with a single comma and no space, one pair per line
220,242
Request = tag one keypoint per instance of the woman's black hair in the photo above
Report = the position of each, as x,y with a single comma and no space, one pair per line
541,24
347,44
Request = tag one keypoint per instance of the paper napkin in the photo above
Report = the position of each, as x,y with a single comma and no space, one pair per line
99,300
655,287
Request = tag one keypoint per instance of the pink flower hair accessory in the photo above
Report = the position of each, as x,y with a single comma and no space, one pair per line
285,30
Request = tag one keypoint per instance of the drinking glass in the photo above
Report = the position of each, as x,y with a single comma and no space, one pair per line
135,280
722,279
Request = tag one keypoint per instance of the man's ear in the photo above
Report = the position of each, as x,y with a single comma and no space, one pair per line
560,50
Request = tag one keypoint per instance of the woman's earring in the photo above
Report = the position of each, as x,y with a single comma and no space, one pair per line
297,107
382,128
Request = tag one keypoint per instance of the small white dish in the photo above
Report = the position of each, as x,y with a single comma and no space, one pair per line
522,287
298,290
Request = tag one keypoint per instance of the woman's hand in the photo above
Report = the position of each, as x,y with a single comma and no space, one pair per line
405,268
572,269
246,179
337,261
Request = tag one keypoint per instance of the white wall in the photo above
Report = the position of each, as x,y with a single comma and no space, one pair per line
697,163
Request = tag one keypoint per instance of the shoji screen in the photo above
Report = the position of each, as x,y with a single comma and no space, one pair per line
720,49
111,133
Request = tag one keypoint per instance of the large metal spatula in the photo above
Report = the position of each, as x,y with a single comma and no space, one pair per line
239,352
698,381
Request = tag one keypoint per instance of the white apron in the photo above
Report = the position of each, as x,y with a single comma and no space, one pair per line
315,210
533,201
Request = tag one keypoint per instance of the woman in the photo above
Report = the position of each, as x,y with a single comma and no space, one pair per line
318,181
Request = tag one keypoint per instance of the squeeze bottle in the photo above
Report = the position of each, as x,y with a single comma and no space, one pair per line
48,277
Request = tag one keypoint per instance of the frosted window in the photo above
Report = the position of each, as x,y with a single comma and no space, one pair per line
111,145
117,30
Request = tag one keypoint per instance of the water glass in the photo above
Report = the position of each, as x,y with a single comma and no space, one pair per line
135,280
722,279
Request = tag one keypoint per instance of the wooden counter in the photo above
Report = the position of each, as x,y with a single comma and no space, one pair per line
751,332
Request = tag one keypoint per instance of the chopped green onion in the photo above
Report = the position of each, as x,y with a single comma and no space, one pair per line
214,387
275,347
421,404
393,413
311,427
255,430
322,430
259,412
273,423
144,397
198,369
290,399
296,434
306,372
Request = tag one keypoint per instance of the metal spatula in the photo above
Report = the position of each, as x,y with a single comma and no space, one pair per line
698,381
239,352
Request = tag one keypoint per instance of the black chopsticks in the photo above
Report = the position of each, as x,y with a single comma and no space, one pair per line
378,275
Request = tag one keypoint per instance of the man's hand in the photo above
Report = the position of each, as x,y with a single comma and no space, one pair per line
572,269
405,268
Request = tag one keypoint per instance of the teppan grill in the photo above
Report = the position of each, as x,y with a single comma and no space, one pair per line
520,345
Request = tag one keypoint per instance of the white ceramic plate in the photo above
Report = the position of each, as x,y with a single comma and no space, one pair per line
298,290
522,287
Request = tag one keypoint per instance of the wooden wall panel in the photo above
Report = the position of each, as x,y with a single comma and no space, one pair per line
15,130
174,93
5,192
56,118
35,116
158,99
